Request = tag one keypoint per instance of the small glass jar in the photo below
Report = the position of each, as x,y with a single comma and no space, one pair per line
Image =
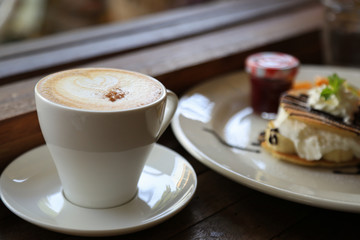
271,74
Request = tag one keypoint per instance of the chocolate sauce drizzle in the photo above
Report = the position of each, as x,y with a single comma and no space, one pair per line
297,106
222,141
349,170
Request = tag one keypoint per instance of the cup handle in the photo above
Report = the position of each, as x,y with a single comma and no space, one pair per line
170,109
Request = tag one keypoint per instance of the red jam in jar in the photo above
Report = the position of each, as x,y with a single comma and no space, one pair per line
271,74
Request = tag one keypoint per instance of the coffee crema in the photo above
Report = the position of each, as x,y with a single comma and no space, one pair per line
100,89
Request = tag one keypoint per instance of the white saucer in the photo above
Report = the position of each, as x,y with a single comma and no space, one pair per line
30,188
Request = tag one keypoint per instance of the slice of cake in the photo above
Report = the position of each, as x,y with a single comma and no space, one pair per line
319,126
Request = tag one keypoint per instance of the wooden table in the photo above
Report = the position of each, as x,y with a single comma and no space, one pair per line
181,48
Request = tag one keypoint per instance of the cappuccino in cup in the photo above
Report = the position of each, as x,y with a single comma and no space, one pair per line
100,125
100,89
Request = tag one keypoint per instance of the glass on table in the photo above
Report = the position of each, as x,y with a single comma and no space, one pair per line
341,32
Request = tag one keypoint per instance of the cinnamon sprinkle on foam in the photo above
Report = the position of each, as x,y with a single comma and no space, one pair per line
115,94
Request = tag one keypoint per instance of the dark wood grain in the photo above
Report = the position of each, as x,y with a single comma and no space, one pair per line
18,135
255,217
82,49
324,224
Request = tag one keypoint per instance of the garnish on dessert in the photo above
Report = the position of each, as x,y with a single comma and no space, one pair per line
336,98
335,83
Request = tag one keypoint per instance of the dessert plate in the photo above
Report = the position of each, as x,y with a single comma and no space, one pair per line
30,188
216,125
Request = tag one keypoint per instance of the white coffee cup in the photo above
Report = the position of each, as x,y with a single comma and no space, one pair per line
100,154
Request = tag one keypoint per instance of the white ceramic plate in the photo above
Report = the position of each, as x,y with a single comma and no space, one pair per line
216,114
30,188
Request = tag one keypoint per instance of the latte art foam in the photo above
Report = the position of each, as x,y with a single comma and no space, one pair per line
100,89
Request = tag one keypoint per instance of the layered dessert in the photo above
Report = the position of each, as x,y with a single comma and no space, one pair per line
317,125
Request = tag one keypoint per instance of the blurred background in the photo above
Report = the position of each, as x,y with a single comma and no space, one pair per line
29,19
26,19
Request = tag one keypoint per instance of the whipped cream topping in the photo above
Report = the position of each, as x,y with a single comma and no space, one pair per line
313,143
343,104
